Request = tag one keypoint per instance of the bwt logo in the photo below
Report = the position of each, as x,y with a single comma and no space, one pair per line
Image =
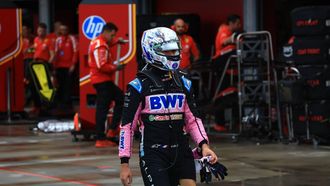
163,101
122,139
92,26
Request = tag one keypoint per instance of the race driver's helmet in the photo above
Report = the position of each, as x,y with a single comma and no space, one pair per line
161,48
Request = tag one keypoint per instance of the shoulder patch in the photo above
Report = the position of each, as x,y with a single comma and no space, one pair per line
186,83
136,84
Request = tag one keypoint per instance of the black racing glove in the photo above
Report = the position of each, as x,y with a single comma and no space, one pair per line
206,175
218,170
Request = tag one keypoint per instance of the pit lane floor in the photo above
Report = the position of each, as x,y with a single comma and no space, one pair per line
31,158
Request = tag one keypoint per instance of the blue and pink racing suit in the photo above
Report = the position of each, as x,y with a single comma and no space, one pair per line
161,105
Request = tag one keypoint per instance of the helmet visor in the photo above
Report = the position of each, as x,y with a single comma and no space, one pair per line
168,46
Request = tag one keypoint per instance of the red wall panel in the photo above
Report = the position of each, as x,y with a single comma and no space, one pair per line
11,59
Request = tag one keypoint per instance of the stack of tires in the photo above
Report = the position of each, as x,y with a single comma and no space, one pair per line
309,52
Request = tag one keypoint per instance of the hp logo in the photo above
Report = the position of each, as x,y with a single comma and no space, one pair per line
92,26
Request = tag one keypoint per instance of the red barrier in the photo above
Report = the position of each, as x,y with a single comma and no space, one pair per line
11,61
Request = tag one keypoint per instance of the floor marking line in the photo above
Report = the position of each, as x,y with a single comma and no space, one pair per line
52,161
47,177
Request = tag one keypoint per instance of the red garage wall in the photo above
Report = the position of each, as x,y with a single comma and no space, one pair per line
212,13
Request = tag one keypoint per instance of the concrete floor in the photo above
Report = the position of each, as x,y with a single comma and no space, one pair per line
29,158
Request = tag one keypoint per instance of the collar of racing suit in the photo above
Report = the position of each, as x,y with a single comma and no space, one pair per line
158,77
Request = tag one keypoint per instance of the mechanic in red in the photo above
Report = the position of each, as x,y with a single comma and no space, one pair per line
57,33
226,36
28,52
44,52
64,64
102,72
28,49
44,49
225,47
189,48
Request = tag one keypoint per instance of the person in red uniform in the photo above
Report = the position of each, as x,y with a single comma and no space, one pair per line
28,49
57,32
225,47
28,52
44,52
189,47
225,39
44,49
102,71
64,64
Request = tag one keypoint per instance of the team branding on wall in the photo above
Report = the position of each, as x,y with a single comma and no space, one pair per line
92,26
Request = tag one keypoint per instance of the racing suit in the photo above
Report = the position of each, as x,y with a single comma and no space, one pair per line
162,106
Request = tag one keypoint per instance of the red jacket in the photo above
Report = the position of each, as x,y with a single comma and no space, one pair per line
99,60
52,36
42,48
65,51
188,47
223,34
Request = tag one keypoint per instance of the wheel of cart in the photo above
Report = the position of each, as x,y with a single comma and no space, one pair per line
82,128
